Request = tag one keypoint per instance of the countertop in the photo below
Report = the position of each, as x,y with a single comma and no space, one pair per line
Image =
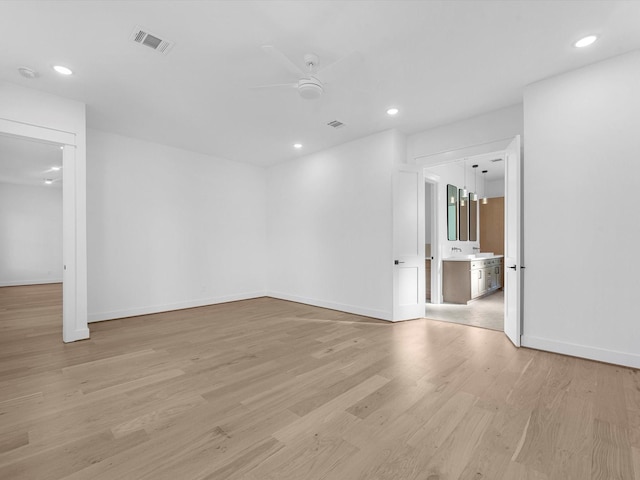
465,259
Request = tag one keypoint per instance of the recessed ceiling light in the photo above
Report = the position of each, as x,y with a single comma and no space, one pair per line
48,181
586,41
392,111
56,168
297,145
62,70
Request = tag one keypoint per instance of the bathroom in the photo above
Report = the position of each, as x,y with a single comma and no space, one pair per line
464,235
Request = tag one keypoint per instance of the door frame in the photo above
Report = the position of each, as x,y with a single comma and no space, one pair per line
496,147
436,257
74,242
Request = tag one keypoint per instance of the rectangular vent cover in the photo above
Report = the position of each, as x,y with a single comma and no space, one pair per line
143,37
335,124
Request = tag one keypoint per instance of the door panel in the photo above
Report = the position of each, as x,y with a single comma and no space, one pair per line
408,243
512,243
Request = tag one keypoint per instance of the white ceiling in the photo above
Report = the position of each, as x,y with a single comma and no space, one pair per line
25,162
438,61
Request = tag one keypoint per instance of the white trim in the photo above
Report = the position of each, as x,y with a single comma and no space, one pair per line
582,351
74,258
75,335
367,312
446,156
436,262
21,283
44,134
168,307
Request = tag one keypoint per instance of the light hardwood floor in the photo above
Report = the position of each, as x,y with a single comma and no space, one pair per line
267,389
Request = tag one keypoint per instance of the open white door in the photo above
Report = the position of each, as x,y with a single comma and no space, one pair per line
512,244
408,243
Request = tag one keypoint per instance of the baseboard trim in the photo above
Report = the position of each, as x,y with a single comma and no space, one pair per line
582,351
24,283
366,312
168,307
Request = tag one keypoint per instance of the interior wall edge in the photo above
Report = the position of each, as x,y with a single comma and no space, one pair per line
354,309
582,351
169,307
21,283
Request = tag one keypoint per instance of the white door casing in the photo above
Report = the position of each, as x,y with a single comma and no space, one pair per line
513,244
437,192
408,243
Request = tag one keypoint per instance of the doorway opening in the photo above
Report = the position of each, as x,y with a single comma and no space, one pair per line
472,236
31,258
74,260
470,271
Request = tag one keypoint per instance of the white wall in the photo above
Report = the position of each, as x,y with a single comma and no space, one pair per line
580,212
503,124
30,234
330,227
494,188
169,228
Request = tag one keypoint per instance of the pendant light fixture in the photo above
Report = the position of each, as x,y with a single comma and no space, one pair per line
484,200
474,195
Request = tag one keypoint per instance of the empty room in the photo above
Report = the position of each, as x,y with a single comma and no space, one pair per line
332,240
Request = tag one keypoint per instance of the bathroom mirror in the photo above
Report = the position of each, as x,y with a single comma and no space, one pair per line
473,220
452,212
463,229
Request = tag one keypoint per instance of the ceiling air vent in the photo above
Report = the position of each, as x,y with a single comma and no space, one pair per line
335,124
143,37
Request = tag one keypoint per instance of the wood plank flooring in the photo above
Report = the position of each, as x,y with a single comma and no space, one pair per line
267,389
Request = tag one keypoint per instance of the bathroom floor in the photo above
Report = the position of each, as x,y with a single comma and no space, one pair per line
486,312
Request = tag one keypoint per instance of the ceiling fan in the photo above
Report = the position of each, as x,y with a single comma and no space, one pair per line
309,85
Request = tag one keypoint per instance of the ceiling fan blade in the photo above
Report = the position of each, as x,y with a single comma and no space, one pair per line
283,60
353,60
276,85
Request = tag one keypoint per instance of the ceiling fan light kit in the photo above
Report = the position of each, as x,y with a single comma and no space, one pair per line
310,88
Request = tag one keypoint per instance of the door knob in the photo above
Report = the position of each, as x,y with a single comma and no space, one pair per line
513,267
396,262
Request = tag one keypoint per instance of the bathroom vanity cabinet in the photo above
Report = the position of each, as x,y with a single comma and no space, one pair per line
464,280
